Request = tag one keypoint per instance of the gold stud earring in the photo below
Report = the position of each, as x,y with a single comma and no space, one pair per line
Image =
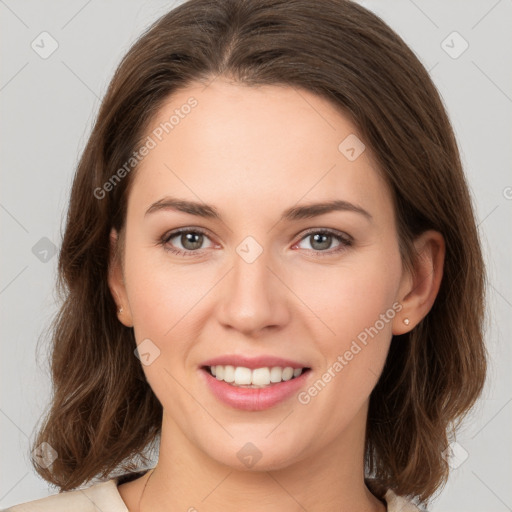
406,321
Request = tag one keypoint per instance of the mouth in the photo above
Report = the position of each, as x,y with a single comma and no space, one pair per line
254,382
254,378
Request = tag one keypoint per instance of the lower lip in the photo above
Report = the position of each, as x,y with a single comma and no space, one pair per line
254,399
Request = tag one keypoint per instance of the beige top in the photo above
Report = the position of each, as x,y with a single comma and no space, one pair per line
105,497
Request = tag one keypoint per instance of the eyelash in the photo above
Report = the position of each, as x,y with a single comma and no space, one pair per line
345,241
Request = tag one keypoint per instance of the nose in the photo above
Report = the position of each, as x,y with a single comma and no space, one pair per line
253,298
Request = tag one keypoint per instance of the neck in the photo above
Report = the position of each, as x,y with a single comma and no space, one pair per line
186,478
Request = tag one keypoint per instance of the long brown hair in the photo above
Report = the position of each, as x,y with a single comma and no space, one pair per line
103,411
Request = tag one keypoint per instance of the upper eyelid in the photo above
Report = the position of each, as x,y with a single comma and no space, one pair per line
175,232
329,231
187,229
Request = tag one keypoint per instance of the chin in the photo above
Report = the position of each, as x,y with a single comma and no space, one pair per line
256,453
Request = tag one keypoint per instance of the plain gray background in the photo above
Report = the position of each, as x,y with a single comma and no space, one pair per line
48,106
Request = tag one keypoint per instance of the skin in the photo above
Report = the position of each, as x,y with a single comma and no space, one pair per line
253,152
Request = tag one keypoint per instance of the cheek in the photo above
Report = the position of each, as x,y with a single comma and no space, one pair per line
162,299
351,297
159,293
169,304
165,302
356,306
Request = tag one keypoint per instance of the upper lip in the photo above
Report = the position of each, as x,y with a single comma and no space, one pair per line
252,362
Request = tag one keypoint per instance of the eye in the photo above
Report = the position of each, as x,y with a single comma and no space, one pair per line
325,240
185,241
191,241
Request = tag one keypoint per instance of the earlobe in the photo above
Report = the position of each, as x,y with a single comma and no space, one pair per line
116,282
421,287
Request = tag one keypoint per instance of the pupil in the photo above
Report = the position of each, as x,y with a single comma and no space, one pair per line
323,241
192,241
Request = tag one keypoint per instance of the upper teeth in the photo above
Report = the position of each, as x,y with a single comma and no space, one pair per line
240,375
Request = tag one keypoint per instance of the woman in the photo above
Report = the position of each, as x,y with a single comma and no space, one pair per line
268,239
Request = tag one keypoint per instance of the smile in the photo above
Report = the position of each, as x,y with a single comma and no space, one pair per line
241,376
250,396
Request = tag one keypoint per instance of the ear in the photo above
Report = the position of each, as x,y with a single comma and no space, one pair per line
116,282
418,289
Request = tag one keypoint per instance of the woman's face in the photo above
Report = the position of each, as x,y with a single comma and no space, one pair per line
260,271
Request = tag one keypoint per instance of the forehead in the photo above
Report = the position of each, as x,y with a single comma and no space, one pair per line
265,144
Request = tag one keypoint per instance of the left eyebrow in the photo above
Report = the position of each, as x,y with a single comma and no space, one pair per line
294,213
313,210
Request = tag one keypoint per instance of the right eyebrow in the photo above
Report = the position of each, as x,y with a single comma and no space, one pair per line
191,207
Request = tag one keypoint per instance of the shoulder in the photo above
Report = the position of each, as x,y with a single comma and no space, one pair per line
397,503
102,496
105,497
